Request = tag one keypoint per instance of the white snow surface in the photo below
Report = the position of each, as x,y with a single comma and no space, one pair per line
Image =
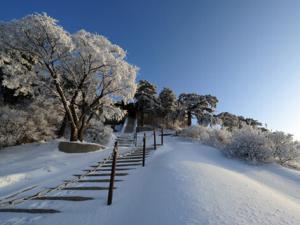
183,183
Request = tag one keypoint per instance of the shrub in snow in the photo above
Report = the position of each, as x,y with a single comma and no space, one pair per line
217,138
196,132
250,144
98,133
283,146
35,122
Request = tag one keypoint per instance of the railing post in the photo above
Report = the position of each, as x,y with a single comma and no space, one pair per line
154,136
112,175
144,149
162,136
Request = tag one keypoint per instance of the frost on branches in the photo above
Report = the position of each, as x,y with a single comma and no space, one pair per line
146,100
200,106
85,71
168,101
218,138
283,146
28,123
248,143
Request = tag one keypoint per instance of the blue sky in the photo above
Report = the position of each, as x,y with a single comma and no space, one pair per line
247,53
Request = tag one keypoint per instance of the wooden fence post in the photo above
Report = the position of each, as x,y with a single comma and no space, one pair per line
144,149
112,175
162,136
154,136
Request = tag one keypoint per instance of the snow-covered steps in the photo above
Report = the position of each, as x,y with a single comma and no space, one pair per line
126,140
84,182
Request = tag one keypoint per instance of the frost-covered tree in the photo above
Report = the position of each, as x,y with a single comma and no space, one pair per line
218,138
19,125
250,144
232,121
167,100
85,71
228,120
284,147
16,84
146,100
192,104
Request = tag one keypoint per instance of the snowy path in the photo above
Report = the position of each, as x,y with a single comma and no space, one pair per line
186,183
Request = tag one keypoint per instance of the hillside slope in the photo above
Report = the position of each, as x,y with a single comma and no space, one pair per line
188,183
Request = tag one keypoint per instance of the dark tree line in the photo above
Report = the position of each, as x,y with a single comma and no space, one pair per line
165,108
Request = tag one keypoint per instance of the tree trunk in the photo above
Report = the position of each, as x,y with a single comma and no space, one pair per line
74,133
61,131
82,129
189,122
142,118
84,124
81,134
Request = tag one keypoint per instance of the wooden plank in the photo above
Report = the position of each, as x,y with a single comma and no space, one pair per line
105,169
140,155
21,210
92,188
97,180
128,161
123,165
64,198
102,174
132,157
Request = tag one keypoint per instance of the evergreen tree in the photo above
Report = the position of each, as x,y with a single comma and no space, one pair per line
200,106
168,101
146,100
231,121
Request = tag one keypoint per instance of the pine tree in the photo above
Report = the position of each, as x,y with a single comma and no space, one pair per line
200,106
168,101
146,100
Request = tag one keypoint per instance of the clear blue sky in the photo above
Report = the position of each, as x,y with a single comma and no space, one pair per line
247,53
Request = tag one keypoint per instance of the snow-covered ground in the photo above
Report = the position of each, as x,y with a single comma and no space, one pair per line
183,182
40,165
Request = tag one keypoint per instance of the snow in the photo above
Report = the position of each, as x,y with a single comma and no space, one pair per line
183,182
41,165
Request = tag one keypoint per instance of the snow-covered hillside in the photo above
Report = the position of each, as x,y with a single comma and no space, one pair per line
183,182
